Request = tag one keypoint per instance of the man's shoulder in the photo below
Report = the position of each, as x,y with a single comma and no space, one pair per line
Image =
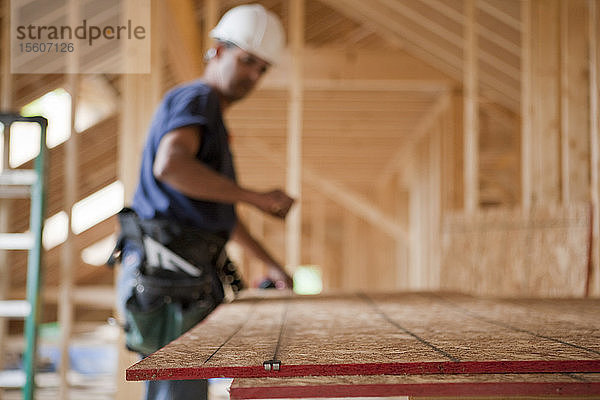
193,88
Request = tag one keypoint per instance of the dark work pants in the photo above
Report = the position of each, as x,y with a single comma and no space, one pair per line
155,390
177,390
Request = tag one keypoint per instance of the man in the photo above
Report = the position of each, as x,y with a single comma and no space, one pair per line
173,261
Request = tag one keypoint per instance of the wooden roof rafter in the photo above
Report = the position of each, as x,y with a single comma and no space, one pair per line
320,20
455,15
356,36
500,85
427,23
499,14
357,15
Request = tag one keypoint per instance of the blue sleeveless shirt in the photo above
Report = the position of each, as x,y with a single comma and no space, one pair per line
192,104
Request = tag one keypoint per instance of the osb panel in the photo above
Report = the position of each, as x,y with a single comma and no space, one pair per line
396,333
464,385
506,252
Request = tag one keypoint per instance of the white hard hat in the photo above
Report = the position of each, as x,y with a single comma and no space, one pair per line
253,29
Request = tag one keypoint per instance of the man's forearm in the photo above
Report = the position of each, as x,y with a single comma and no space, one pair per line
196,180
176,165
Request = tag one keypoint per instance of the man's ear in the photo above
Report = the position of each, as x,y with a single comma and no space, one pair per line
214,52
210,54
219,48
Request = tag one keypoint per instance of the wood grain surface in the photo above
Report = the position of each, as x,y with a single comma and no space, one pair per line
374,334
463,385
543,252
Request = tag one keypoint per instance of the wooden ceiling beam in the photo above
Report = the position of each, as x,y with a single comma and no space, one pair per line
335,64
364,85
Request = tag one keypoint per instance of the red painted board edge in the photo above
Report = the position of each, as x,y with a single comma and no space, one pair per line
417,368
427,389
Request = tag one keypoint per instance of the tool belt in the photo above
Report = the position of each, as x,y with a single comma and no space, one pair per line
179,280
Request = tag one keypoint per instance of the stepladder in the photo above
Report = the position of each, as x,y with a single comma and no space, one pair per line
21,184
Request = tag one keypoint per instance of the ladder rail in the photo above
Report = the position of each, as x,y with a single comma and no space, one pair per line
34,261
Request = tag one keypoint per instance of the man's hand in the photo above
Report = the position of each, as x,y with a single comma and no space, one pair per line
281,278
276,203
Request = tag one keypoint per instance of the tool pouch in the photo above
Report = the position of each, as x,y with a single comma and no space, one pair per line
166,302
149,329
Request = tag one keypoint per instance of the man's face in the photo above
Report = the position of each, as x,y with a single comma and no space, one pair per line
240,72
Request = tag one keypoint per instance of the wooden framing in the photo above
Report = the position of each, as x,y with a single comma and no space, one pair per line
406,139
354,202
294,138
351,252
430,48
435,207
424,127
6,83
546,80
574,106
406,10
184,50
211,14
526,106
471,109
5,105
69,253
401,247
593,284
138,100
492,9
318,237
455,15
255,269
452,155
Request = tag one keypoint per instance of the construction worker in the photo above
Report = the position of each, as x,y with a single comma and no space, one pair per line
172,238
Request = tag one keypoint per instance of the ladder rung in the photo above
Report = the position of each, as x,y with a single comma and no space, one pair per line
16,241
15,192
14,308
12,379
18,177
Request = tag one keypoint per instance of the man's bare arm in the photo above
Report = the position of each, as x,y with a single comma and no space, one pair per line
176,165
